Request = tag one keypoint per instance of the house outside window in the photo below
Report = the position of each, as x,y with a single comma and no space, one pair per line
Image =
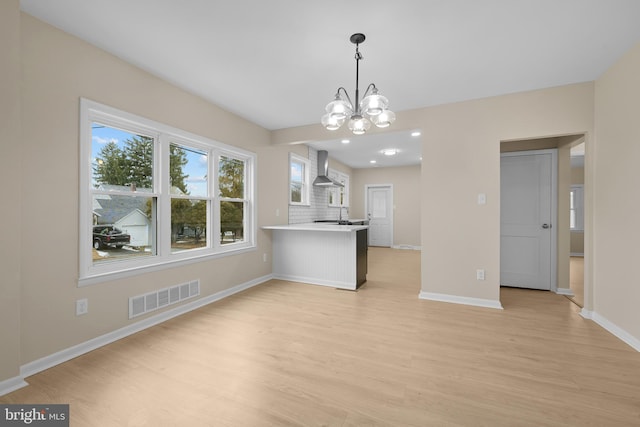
147,195
299,185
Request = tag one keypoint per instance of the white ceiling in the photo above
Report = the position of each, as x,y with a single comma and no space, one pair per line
360,151
278,62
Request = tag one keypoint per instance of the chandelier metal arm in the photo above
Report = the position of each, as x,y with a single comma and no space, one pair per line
346,95
366,92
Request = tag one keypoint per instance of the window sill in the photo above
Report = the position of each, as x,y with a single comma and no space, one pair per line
160,265
300,204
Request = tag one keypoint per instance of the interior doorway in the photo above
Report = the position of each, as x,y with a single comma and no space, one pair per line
528,194
563,145
379,208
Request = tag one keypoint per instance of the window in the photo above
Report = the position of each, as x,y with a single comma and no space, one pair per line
233,198
339,196
147,195
576,207
190,197
122,193
298,180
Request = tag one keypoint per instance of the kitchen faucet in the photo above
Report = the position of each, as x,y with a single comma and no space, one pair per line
340,213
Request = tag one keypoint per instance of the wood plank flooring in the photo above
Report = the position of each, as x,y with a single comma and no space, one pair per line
289,354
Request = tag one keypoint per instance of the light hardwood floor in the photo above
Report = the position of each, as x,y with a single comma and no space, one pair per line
288,354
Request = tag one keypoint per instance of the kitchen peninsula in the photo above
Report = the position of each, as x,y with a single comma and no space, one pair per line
327,254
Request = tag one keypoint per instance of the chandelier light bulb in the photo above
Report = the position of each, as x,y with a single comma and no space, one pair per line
339,108
331,123
384,119
358,124
374,103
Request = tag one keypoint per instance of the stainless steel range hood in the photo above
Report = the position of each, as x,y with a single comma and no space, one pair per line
323,180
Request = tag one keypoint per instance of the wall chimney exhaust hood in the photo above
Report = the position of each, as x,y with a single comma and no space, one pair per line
323,180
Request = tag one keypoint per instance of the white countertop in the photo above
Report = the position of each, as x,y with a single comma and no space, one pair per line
312,226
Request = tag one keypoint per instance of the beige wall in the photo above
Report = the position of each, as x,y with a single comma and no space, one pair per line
58,69
461,158
577,175
406,199
10,172
615,200
577,242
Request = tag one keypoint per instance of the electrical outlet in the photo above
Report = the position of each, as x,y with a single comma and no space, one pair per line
264,257
82,306
479,274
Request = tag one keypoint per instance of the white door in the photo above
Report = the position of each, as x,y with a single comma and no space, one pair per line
527,210
380,215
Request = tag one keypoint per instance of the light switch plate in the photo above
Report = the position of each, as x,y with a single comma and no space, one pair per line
482,199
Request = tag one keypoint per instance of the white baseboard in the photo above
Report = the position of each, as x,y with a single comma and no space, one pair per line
315,281
12,384
615,330
587,314
47,362
478,302
565,291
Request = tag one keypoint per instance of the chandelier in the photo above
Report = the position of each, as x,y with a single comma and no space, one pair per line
372,109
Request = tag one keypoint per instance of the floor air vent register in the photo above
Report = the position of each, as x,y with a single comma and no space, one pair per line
155,300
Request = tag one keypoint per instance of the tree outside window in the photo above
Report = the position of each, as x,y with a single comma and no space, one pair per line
231,182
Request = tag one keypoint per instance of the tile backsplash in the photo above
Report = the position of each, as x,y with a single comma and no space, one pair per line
319,199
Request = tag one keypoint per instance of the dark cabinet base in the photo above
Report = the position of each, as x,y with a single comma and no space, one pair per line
361,257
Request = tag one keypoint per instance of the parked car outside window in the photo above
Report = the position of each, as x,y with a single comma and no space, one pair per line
108,236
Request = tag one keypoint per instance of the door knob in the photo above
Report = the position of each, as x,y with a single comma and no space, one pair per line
545,226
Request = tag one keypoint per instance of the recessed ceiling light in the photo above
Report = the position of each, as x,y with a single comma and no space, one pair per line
390,152
416,133
372,161
345,141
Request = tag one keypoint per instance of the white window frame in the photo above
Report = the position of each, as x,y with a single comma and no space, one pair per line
578,199
246,199
306,184
164,135
343,178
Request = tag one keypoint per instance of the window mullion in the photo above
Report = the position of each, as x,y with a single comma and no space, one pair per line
164,201
214,193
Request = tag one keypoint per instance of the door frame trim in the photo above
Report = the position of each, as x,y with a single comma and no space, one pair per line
366,206
554,208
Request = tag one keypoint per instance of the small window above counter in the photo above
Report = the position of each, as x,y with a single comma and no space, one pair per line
338,196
